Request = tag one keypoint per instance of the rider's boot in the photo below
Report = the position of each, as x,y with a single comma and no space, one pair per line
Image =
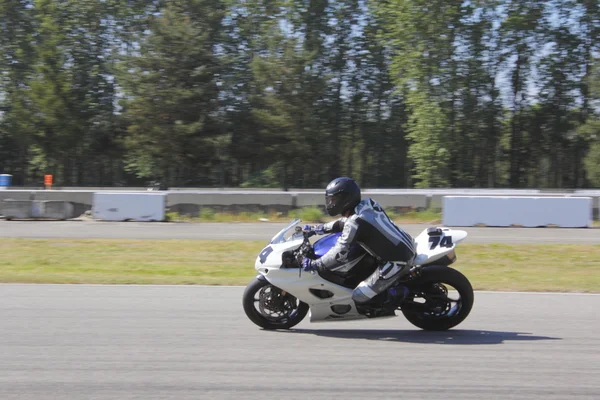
391,298
372,307
374,310
379,306
384,304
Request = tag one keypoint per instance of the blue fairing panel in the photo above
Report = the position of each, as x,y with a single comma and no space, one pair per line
324,244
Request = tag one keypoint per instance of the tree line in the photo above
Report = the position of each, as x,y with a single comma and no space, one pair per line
288,93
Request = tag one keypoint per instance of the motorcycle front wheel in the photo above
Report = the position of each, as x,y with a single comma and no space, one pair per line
270,307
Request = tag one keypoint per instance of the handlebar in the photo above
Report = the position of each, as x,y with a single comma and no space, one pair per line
306,247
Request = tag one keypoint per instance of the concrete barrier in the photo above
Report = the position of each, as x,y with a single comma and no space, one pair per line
192,203
60,210
390,201
17,209
81,200
36,209
595,193
148,206
399,202
309,199
16,195
526,211
250,200
436,200
10,195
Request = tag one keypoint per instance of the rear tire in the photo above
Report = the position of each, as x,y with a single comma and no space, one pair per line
431,286
271,301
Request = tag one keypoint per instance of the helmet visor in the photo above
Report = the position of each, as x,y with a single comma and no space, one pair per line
333,199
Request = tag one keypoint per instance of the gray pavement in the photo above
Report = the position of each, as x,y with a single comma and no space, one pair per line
189,342
262,231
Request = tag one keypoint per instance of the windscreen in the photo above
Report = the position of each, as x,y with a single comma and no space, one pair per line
286,233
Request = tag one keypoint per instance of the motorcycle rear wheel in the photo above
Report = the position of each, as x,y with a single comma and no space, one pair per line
276,309
437,312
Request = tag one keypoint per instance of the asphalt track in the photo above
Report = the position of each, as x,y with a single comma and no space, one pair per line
262,231
190,342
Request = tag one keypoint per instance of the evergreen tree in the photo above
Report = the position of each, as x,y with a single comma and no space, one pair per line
173,123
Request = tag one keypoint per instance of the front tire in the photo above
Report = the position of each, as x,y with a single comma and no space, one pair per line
271,308
436,310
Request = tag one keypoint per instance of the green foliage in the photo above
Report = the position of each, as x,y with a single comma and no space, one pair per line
592,164
425,216
173,87
267,178
308,214
59,95
266,93
422,67
171,216
428,129
207,213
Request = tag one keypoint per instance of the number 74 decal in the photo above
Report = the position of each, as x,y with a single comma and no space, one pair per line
445,241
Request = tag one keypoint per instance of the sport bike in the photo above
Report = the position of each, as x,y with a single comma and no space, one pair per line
282,293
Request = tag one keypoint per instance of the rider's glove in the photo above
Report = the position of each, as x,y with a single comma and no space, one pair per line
308,265
318,229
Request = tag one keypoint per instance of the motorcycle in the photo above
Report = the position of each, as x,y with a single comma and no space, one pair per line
282,294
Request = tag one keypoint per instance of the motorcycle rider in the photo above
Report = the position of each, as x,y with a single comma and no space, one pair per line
364,222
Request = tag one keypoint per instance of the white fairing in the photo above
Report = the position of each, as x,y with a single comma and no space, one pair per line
298,283
431,248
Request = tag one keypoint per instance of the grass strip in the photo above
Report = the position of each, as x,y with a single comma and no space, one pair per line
502,267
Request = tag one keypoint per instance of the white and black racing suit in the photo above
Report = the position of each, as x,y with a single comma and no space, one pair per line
371,228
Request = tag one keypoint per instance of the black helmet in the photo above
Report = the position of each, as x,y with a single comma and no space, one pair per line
341,195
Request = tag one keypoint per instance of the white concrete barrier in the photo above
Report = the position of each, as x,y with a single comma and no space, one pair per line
437,198
527,211
149,206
